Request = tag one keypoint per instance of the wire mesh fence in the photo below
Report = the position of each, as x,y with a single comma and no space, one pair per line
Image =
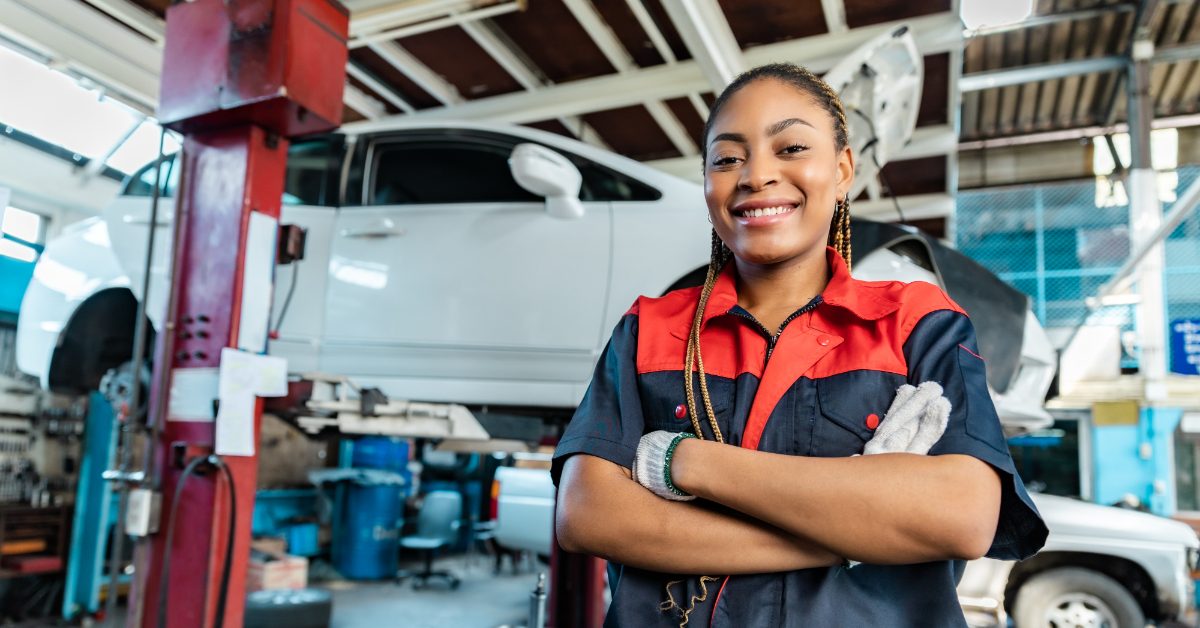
1060,243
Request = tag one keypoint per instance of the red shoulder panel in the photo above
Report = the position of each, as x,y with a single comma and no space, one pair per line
728,348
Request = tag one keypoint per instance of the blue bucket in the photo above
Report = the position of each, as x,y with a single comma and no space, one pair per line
371,516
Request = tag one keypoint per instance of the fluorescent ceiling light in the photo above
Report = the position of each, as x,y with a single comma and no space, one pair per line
979,13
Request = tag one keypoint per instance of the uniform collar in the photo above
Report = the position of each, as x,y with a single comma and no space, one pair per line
852,295
842,291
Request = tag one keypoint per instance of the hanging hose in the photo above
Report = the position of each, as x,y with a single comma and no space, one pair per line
137,418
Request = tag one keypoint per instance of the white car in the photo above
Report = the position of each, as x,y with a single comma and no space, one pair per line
428,272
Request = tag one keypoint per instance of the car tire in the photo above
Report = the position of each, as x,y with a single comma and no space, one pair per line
1072,596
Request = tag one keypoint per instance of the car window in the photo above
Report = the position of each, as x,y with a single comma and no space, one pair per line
431,171
313,168
312,173
141,183
487,155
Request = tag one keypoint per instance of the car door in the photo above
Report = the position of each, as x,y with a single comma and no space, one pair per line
310,199
449,274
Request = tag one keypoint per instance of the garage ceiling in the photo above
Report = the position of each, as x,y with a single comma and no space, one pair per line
637,76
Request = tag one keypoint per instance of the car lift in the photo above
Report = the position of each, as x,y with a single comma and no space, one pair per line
239,78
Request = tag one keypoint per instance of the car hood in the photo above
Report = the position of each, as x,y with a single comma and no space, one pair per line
1071,517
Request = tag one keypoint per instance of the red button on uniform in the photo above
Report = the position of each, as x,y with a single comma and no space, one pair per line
823,341
872,421
680,411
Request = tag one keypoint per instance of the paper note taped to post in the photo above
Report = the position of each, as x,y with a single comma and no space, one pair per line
243,378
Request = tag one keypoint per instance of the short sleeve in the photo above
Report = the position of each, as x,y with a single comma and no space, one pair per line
942,348
608,423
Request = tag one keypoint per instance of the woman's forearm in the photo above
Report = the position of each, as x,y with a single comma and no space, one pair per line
602,511
887,508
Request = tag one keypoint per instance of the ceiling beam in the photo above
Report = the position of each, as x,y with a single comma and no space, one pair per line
134,16
652,31
420,73
496,44
74,34
402,13
385,92
934,34
369,106
835,15
976,81
915,207
454,19
612,48
707,35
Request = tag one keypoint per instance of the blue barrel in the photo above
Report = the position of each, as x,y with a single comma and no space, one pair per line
380,452
366,547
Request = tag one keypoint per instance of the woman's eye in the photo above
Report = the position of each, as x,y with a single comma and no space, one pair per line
724,161
795,148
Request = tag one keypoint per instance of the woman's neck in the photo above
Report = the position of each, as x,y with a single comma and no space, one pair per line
772,292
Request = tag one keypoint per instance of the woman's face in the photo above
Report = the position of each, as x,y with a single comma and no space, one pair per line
774,173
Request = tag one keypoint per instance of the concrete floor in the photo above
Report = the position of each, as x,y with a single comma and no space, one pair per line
483,600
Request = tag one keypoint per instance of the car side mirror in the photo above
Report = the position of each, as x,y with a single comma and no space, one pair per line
549,175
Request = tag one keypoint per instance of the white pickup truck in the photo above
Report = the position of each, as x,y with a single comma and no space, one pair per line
1101,566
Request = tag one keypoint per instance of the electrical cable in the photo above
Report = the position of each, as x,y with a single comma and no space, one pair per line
223,593
165,575
287,300
875,159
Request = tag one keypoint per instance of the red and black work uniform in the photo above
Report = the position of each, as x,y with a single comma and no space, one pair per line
818,387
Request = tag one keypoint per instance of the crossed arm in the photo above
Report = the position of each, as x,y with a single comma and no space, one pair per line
797,512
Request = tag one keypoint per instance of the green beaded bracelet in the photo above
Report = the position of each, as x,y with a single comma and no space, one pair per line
667,462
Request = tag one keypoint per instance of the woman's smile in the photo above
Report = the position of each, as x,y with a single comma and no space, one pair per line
764,212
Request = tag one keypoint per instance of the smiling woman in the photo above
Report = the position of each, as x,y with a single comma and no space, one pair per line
716,459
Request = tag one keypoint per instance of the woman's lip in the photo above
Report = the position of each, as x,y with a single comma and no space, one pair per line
763,221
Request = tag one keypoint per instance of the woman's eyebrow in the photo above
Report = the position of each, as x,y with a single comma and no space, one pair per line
729,137
778,127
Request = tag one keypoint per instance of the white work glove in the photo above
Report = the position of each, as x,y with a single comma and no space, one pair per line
652,464
914,423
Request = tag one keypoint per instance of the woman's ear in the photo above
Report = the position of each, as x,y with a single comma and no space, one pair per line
845,172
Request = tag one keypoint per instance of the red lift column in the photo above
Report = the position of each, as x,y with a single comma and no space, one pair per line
239,78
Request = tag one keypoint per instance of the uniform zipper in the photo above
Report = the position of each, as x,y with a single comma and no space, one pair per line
774,338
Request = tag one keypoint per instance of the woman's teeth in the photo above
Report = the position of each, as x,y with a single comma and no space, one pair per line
765,211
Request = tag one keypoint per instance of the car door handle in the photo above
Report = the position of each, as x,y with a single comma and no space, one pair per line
373,232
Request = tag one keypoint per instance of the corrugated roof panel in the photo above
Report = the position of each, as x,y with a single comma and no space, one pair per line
686,113
632,132
470,69
659,15
757,23
548,33
935,98
624,24
386,72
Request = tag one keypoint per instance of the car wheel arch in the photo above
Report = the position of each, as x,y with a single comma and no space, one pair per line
1127,573
98,336
693,279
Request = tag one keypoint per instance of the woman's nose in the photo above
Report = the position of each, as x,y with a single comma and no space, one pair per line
758,174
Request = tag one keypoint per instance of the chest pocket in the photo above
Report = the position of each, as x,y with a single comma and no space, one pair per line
850,408
662,407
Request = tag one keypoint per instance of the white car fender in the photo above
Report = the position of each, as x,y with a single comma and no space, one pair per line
74,267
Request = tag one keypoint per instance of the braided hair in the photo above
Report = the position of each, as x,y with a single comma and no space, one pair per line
839,239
